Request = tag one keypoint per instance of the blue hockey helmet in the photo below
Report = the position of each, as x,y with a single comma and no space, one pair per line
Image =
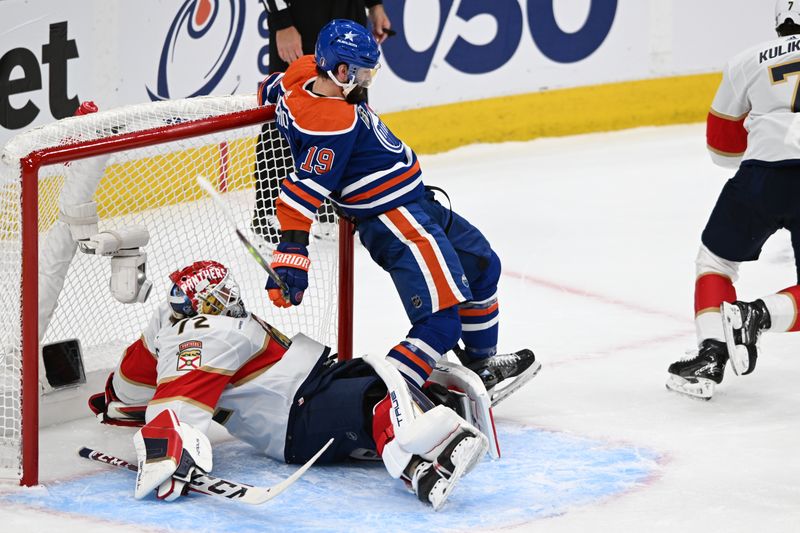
344,41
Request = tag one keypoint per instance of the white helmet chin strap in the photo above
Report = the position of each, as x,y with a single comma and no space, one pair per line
346,87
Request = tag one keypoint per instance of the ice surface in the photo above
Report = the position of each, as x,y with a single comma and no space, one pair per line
566,472
598,235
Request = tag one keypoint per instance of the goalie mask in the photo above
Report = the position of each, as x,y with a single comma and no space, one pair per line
210,288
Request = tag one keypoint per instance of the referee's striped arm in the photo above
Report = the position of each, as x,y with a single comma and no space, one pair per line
279,15
273,6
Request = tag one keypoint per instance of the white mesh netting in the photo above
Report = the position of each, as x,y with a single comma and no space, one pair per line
154,186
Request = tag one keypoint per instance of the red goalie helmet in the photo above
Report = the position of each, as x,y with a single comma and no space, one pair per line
210,287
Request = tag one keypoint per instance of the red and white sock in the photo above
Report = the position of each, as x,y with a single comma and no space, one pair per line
782,309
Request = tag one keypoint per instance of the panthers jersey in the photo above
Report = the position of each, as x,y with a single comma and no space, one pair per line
239,372
341,151
136,374
752,119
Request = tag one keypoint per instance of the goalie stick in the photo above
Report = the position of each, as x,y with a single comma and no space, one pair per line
216,486
215,196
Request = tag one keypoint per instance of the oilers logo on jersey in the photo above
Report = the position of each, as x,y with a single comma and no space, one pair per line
384,135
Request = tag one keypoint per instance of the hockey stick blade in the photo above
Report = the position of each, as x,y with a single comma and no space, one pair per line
215,196
215,486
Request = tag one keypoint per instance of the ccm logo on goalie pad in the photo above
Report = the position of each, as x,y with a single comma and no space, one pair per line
190,355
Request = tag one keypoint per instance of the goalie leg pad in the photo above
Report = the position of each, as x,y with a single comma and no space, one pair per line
168,453
382,430
111,410
474,403
413,432
429,433
401,411
433,482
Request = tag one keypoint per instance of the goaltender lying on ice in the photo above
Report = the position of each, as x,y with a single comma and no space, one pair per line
204,357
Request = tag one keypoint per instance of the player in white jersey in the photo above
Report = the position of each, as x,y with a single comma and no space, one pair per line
204,358
753,125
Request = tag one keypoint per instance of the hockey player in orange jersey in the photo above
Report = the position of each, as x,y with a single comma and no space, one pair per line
443,268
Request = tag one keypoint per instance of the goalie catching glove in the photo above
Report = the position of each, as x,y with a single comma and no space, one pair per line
290,261
168,453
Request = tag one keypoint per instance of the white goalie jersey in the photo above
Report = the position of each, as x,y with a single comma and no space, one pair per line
208,368
753,117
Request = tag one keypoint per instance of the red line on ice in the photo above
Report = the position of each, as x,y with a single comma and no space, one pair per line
610,300
612,350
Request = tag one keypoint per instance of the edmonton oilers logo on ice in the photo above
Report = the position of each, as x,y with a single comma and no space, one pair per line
199,48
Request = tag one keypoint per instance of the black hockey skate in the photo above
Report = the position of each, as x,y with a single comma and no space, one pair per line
502,374
743,323
698,376
433,482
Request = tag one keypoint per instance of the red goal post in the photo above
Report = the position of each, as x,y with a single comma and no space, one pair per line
159,148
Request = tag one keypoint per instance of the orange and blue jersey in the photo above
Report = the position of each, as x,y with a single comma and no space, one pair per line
443,268
342,151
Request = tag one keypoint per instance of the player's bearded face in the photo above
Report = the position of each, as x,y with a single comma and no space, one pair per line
362,77
357,95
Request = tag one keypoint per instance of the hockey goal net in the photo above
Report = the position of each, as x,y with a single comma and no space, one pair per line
139,164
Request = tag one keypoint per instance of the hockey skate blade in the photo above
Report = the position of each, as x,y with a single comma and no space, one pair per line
702,389
503,391
477,449
737,354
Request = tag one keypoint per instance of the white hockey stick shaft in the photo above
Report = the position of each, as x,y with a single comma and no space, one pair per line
217,198
215,486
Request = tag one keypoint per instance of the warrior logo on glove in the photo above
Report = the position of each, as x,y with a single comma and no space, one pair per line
291,263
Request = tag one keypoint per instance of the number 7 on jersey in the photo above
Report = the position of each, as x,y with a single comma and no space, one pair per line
779,73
